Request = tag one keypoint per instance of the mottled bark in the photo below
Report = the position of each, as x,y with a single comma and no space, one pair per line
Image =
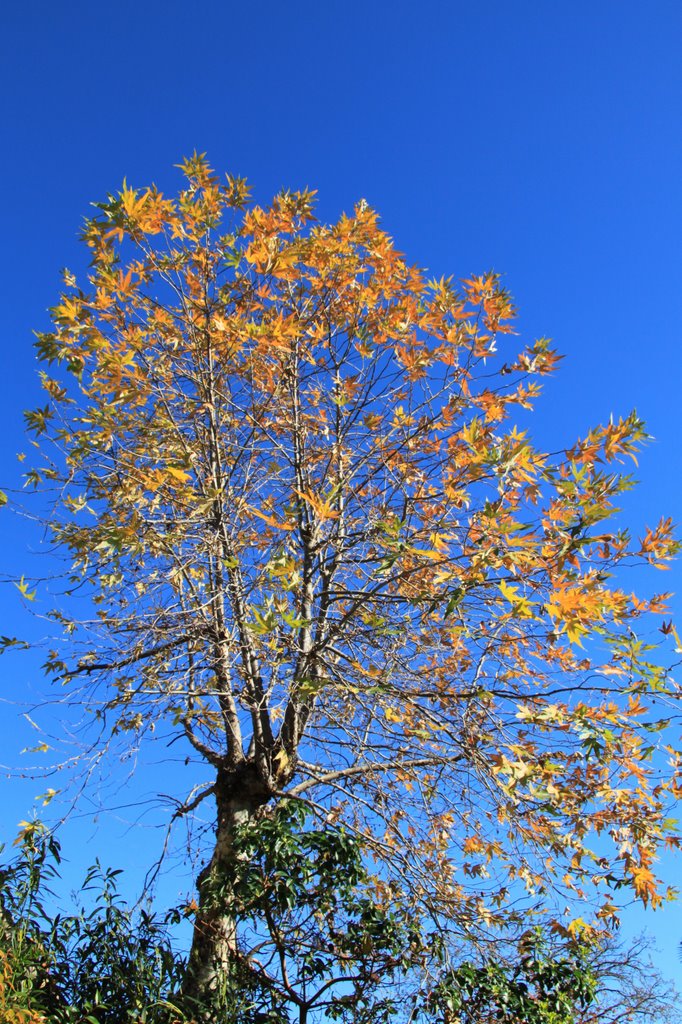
239,794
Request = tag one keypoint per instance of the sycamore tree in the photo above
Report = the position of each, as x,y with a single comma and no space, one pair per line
315,544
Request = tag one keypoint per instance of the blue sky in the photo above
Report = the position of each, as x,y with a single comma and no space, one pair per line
538,139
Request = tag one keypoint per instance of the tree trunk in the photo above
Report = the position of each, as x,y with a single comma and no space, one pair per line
239,793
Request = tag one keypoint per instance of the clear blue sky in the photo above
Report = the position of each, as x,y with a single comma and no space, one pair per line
540,139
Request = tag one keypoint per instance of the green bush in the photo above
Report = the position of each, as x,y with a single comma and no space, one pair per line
101,965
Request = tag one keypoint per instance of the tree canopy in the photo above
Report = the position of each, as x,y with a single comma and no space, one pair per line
316,545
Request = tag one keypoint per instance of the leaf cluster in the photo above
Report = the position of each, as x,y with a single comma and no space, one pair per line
313,934
541,988
103,964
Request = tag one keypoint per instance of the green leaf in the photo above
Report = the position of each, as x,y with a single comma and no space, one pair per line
12,641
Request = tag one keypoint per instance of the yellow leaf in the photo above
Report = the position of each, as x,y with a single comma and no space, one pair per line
270,520
22,587
131,204
41,748
47,796
178,474
430,553
322,506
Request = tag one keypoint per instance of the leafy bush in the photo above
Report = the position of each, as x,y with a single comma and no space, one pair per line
102,965
322,948
541,988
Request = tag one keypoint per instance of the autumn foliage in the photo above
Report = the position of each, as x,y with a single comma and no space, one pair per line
319,548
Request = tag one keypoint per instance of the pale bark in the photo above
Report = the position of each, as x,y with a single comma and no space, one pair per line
239,794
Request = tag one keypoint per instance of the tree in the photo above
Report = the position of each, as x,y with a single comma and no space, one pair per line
319,945
317,548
